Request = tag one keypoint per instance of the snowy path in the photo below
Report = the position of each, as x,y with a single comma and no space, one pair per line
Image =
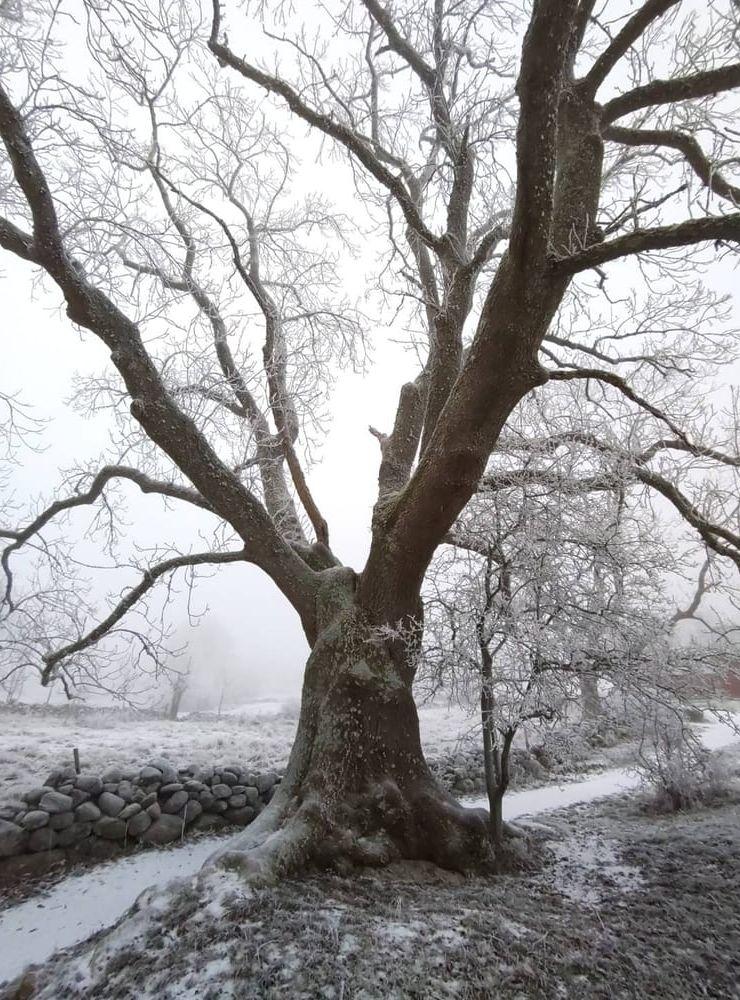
83,904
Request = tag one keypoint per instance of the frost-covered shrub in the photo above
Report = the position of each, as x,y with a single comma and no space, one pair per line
677,771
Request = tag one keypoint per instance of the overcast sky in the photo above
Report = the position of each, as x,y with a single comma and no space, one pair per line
249,626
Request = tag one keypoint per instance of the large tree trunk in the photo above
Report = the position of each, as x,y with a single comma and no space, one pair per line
357,789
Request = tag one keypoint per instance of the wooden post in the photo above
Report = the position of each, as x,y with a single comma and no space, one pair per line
76,755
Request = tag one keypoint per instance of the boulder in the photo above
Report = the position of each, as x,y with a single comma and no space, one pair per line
240,817
34,795
191,811
150,775
138,824
74,834
132,809
111,804
9,810
87,812
207,821
13,839
78,796
221,790
34,819
253,796
125,791
229,778
219,805
194,787
175,802
89,783
164,830
206,799
148,800
266,781
60,821
112,776
167,770
174,786
61,775
56,802
237,801
154,811
110,828
42,840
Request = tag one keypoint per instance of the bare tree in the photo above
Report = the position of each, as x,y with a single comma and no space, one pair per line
511,153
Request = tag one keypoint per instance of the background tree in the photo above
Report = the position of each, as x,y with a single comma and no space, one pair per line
509,153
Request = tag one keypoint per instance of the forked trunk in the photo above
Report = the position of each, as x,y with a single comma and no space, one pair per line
357,789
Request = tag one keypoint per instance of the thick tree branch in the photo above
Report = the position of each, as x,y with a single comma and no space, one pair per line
624,40
164,422
685,144
149,578
718,228
682,88
89,496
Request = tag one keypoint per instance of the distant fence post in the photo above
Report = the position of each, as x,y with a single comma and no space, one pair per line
76,755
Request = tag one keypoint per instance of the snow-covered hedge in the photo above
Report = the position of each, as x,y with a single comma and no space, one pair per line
156,804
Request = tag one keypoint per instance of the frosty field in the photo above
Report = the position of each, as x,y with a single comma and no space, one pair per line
584,864
260,734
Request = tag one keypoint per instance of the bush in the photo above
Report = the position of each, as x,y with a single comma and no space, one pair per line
677,771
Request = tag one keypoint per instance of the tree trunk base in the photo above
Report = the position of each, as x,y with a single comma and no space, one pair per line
357,790
368,830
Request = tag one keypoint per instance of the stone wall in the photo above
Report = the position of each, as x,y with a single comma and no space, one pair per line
156,804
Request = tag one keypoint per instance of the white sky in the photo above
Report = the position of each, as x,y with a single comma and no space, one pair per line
249,624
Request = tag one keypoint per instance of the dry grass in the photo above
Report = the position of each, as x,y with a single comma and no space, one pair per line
576,928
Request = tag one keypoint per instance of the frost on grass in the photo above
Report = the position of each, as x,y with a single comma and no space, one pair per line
663,922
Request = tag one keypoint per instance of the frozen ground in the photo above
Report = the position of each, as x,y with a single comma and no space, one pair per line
259,733
627,907
83,904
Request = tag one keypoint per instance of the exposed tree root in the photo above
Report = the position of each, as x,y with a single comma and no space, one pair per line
373,829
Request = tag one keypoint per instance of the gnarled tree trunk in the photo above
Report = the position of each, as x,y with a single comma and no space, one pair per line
357,789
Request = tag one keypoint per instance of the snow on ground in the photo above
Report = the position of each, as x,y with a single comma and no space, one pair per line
259,733
714,736
83,904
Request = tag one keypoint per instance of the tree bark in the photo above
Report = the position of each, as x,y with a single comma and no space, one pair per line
357,790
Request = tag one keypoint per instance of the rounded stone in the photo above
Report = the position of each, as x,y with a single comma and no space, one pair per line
221,791
237,801
240,817
56,802
111,804
150,775
164,830
89,783
175,802
34,795
13,839
74,834
266,781
228,778
174,786
154,811
78,796
125,791
138,824
110,828
34,819
191,811
132,809
87,812
112,776
43,840
60,821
